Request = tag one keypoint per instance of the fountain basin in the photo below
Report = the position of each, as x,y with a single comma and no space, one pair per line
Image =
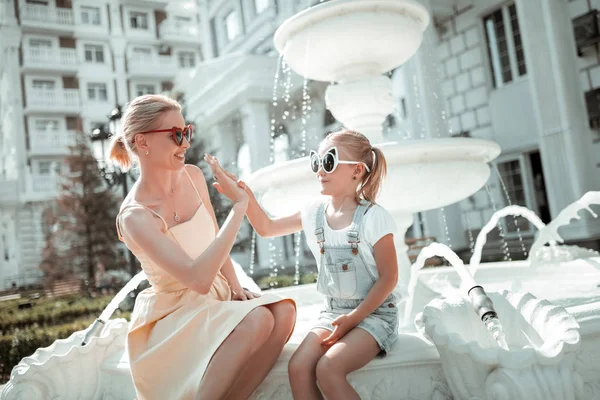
445,170
350,39
413,369
543,340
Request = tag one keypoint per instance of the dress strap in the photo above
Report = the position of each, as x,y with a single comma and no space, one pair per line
192,182
137,205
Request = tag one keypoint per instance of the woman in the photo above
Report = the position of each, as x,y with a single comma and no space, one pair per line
196,333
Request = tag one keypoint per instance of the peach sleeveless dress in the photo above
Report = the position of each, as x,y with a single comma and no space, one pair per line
175,331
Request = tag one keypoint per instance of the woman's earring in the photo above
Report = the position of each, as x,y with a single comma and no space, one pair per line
147,152
354,177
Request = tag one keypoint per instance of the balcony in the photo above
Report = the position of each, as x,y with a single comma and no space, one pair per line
45,59
46,19
152,66
53,100
51,142
170,31
40,187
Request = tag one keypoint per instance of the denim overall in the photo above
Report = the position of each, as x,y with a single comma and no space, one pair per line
345,278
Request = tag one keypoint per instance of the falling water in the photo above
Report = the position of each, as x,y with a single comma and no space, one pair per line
418,106
504,244
446,229
482,237
252,252
515,219
470,231
119,297
275,103
298,236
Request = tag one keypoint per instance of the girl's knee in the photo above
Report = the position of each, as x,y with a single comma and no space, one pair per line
299,366
328,370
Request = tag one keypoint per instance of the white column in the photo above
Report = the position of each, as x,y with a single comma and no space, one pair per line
117,42
256,129
207,34
560,112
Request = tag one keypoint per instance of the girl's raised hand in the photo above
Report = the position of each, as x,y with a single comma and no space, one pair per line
232,189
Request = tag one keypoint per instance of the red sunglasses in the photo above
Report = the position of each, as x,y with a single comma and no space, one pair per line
177,133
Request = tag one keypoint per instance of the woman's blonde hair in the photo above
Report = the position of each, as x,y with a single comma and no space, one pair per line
142,114
359,148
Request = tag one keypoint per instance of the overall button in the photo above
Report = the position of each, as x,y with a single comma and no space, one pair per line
391,305
345,267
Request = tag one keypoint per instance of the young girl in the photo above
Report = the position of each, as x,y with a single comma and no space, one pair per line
352,240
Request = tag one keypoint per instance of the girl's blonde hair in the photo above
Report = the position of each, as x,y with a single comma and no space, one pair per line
142,114
359,148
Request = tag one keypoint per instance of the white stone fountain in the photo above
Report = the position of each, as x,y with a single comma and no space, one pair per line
352,43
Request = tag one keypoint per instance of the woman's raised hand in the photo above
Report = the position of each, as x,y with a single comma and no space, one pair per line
226,183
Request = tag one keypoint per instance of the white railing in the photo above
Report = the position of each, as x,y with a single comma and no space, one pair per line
51,57
44,183
40,13
51,141
53,98
151,64
180,30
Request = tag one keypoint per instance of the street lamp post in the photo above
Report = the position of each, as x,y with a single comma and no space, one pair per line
111,173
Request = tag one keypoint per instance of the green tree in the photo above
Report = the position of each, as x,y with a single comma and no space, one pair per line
83,231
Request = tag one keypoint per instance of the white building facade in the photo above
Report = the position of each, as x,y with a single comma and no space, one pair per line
513,72
64,65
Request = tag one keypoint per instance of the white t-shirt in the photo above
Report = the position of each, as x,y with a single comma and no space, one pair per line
377,222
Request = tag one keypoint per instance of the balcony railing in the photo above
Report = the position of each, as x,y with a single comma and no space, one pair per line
53,99
172,29
45,14
152,64
43,56
44,183
51,142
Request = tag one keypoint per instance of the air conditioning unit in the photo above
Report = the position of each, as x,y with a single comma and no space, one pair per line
592,102
587,30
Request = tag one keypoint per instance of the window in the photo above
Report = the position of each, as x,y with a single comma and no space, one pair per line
90,15
94,53
42,125
44,167
505,46
261,5
187,59
40,43
42,84
144,89
232,26
97,92
138,20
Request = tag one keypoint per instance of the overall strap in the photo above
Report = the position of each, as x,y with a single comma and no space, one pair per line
354,230
137,205
319,224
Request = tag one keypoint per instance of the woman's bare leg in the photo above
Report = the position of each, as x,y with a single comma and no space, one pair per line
234,353
263,360
303,365
352,352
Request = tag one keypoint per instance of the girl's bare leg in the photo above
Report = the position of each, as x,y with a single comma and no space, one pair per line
303,365
350,353
263,360
234,353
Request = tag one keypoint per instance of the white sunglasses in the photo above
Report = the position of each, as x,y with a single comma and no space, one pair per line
329,161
